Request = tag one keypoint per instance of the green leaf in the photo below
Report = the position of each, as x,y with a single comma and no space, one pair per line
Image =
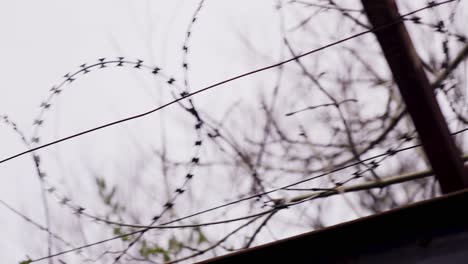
117,231
166,256
101,183
146,251
108,198
174,245
201,238
143,248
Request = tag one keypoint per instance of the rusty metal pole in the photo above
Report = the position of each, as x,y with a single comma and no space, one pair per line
418,95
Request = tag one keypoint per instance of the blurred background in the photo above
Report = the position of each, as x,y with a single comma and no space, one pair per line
277,137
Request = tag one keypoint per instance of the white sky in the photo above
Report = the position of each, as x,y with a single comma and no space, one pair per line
43,40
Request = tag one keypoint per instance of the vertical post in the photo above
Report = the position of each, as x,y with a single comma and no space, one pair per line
418,95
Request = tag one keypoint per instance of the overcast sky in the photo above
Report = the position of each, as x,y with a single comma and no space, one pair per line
44,40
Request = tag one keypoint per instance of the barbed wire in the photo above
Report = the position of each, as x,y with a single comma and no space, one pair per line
438,27
186,46
103,63
282,204
38,122
36,160
58,89
185,96
48,187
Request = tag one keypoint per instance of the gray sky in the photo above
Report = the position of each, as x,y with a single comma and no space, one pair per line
43,40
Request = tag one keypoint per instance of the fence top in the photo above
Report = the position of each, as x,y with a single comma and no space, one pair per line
416,224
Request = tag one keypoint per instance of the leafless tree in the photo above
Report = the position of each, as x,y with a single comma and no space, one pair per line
324,139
